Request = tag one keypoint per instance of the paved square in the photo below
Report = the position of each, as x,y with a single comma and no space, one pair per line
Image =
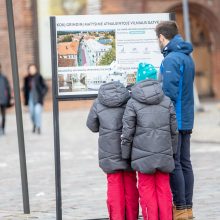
83,183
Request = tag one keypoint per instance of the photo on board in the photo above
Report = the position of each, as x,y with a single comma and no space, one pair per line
86,48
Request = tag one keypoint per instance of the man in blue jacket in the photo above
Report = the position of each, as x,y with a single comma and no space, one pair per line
177,72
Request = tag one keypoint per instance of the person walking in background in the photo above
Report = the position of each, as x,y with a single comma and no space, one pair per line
35,90
149,139
177,71
105,117
5,98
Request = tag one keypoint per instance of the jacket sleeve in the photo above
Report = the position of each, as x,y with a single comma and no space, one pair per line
8,88
43,86
6,91
128,131
26,90
173,128
93,120
170,78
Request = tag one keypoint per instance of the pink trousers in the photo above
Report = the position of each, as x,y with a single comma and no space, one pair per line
122,196
155,196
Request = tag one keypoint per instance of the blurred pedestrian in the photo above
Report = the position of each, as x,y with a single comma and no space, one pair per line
149,139
105,117
5,98
178,71
35,90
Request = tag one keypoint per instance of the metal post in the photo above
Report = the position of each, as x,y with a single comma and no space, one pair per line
56,121
19,121
186,20
198,106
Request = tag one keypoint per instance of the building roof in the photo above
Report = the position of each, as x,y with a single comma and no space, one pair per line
96,46
66,48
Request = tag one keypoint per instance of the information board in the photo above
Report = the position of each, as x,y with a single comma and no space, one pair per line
96,49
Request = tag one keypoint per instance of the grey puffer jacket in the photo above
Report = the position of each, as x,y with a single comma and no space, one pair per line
149,135
105,117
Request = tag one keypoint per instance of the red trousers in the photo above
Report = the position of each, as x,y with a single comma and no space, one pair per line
122,196
155,196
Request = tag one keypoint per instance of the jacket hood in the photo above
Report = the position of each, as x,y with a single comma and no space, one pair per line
148,91
177,44
113,94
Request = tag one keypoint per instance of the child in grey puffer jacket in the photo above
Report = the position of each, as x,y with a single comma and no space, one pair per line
105,117
149,139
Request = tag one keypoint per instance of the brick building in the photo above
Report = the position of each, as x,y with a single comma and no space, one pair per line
26,36
204,19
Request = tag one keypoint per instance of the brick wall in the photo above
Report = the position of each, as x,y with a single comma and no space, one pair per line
121,6
23,16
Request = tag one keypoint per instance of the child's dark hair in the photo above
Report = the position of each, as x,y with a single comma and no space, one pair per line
167,28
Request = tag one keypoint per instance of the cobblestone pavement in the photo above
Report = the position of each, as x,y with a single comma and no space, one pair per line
83,183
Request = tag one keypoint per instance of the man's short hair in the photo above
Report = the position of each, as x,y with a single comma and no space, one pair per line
167,28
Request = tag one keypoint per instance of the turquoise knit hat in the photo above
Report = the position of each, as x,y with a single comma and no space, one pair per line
146,71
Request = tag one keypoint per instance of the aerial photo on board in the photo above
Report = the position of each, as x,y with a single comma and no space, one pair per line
86,48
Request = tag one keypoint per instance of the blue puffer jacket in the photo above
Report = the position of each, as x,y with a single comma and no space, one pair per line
177,71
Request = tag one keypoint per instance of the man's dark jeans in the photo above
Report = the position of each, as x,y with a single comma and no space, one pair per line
182,178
